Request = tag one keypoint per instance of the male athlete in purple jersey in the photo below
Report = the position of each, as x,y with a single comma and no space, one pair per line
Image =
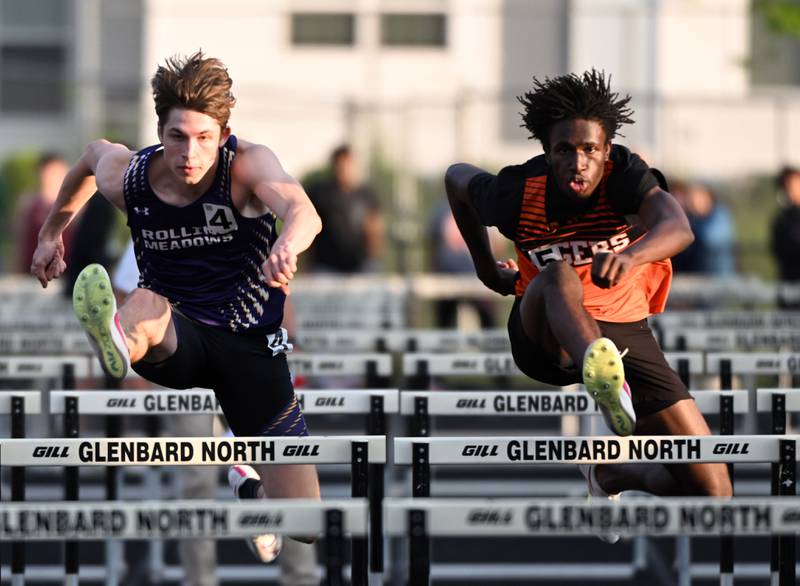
202,207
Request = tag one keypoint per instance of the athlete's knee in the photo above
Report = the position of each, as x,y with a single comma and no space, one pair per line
145,318
146,301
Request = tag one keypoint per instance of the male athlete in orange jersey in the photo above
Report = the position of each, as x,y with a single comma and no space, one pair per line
587,278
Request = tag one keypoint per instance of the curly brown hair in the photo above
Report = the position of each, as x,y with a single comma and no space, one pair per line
197,83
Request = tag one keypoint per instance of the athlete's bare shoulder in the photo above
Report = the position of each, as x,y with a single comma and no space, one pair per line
108,161
255,163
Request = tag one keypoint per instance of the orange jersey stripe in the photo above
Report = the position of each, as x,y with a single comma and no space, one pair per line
538,242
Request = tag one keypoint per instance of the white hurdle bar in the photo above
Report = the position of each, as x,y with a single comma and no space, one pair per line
44,342
727,319
423,404
333,519
424,365
687,449
452,517
32,401
38,367
186,519
730,339
194,401
727,364
533,403
423,518
402,340
187,451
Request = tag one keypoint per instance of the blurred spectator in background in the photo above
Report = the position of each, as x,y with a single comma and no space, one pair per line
786,226
34,207
352,234
451,255
785,237
712,252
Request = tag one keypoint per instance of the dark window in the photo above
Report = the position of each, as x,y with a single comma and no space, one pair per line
414,30
32,79
323,29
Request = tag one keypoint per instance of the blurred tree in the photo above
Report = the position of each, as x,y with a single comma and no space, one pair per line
781,16
17,176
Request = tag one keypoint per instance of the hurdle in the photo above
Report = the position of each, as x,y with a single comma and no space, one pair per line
421,453
419,519
63,368
113,403
44,342
738,319
402,340
18,404
418,368
421,405
191,519
727,364
730,339
375,367
359,451
779,402
375,404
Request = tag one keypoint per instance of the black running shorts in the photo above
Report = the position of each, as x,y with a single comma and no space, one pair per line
253,386
654,385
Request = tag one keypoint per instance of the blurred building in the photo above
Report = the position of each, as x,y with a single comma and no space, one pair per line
426,82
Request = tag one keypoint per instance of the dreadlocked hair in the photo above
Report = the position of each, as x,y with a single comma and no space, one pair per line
570,97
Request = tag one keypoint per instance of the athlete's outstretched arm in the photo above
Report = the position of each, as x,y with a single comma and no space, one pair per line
262,173
499,277
101,159
668,233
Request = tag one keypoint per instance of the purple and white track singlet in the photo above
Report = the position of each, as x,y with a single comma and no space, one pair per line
205,258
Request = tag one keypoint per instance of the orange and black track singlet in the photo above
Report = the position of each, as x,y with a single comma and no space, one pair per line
524,203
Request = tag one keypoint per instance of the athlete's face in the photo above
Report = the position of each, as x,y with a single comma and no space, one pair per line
191,141
577,156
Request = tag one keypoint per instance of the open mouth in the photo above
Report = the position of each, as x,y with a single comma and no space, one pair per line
578,184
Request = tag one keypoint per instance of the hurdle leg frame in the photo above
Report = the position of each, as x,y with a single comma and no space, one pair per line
421,423
421,379
114,550
359,489
419,559
375,487
17,489
726,543
787,487
71,491
334,548
419,549
778,413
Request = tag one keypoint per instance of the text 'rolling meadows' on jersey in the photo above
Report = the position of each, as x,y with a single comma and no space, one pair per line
206,257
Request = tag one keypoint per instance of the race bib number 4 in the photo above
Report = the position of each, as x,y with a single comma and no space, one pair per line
219,219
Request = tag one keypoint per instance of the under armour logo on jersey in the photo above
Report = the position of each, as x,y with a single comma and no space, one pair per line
142,211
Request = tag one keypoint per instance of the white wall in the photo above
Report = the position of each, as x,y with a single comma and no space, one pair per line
682,60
